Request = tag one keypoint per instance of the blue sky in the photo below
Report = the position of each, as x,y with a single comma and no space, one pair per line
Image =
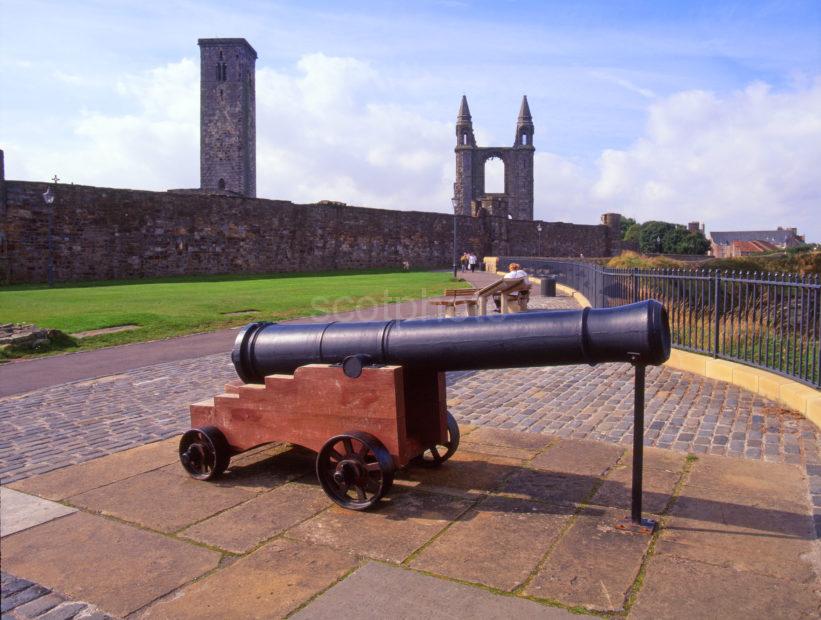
660,110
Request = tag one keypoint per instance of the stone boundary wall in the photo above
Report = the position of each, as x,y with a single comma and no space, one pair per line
103,233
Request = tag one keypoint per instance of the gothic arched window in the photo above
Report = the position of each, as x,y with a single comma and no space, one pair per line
221,184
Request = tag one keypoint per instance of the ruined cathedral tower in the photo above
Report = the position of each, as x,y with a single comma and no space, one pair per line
227,116
469,187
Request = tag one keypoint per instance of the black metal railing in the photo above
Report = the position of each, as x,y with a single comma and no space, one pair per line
766,320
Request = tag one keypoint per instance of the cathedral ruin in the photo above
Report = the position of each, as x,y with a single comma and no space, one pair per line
100,233
516,202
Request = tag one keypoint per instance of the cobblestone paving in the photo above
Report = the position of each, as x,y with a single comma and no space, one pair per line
66,424
76,422
683,411
23,599
71,423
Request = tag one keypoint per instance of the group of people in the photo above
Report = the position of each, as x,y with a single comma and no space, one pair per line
469,261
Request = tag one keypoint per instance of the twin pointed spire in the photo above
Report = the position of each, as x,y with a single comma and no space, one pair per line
524,113
464,126
463,117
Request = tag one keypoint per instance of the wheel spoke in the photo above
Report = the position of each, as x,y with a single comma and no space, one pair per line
435,453
204,453
355,470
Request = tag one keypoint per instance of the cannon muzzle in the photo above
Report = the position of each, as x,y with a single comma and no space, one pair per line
638,333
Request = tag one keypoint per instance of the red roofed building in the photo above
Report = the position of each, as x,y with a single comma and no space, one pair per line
746,242
745,248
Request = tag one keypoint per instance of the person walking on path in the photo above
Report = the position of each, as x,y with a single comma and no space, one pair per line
472,260
464,261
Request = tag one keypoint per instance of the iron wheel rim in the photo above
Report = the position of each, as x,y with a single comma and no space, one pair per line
437,454
355,470
204,453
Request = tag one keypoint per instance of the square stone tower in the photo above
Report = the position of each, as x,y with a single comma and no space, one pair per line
228,117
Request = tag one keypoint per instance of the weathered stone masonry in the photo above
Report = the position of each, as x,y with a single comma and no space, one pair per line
469,186
102,233
228,116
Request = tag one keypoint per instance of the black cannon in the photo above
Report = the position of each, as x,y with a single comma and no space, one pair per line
377,388
636,333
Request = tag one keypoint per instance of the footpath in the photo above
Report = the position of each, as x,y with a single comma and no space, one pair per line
21,376
99,519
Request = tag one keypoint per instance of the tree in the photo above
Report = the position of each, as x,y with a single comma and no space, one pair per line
625,225
692,243
653,237
633,233
666,238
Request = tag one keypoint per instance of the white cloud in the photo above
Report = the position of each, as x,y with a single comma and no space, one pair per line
154,147
624,83
336,128
745,160
562,190
330,131
326,130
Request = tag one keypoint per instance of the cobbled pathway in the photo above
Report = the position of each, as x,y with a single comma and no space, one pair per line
21,599
75,422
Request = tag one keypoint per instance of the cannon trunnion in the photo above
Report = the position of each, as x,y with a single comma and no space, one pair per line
370,397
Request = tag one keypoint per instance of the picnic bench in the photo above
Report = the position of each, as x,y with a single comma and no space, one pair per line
475,301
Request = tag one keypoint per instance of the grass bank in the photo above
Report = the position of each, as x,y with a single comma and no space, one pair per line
168,307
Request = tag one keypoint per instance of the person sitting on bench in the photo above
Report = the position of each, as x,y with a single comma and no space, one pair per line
516,272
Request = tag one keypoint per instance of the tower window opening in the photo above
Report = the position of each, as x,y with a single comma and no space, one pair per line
220,54
524,138
221,184
224,72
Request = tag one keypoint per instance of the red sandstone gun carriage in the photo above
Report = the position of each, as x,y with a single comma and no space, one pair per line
370,397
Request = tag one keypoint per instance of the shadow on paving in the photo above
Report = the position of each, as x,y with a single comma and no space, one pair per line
523,490
525,514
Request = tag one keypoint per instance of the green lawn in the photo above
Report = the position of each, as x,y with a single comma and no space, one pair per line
173,306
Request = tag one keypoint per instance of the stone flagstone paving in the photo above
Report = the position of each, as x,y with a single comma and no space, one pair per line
534,528
466,521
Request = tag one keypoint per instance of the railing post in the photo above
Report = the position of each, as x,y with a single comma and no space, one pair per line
716,311
635,523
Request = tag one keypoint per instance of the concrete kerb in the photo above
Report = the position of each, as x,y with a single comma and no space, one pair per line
801,398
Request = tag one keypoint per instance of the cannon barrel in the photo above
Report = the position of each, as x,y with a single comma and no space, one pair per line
638,333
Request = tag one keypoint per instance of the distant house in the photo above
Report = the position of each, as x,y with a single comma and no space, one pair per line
746,242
